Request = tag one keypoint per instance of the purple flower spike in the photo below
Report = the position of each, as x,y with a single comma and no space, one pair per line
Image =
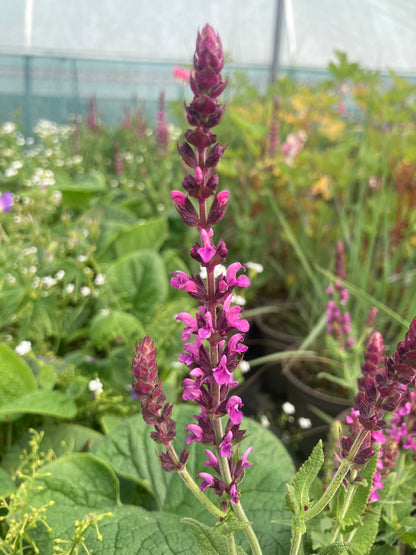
6,202
214,337
162,132
148,389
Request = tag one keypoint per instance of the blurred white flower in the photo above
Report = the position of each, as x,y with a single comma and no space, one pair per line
305,423
99,279
23,348
85,291
288,408
30,250
238,299
8,127
59,274
264,421
244,366
96,386
258,268
48,281
70,288
104,312
81,258
10,172
219,269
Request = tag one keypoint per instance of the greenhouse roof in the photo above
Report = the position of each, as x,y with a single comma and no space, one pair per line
378,34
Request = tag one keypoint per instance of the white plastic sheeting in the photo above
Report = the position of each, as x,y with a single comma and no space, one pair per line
376,33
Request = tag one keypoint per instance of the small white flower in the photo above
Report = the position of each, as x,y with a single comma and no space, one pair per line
8,127
56,197
104,312
99,279
10,172
30,250
219,269
36,282
81,258
258,268
288,408
70,288
96,386
59,274
176,364
244,366
239,300
85,291
48,281
305,423
10,278
264,421
23,348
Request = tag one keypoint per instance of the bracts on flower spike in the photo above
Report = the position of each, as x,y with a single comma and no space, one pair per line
155,411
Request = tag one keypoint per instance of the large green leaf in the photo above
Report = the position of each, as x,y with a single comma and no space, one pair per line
114,325
77,193
16,380
133,531
131,452
83,488
53,403
6,483
140,282
148,234
62,439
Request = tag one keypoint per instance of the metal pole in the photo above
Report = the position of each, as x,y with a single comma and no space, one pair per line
277,38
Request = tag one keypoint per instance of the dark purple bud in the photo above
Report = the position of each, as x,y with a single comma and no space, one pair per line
218,208
214,155
212,183
188,155
200,138
215,118
188,213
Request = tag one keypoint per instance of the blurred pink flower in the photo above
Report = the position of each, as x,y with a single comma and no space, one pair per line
182,74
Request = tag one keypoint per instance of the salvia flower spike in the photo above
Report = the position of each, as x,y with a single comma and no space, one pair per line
214,336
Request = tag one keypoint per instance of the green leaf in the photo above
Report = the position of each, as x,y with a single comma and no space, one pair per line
131,452
140,282
77,193
78,484
132,530
209,541
306,474
365,534
114,325
53,403
148,234
361,493
338,548
16,379
62,439
7,485
83,487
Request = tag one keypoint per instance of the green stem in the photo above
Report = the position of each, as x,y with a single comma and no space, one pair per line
344,467
231,545
296,541
348,498
248,530
202,498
